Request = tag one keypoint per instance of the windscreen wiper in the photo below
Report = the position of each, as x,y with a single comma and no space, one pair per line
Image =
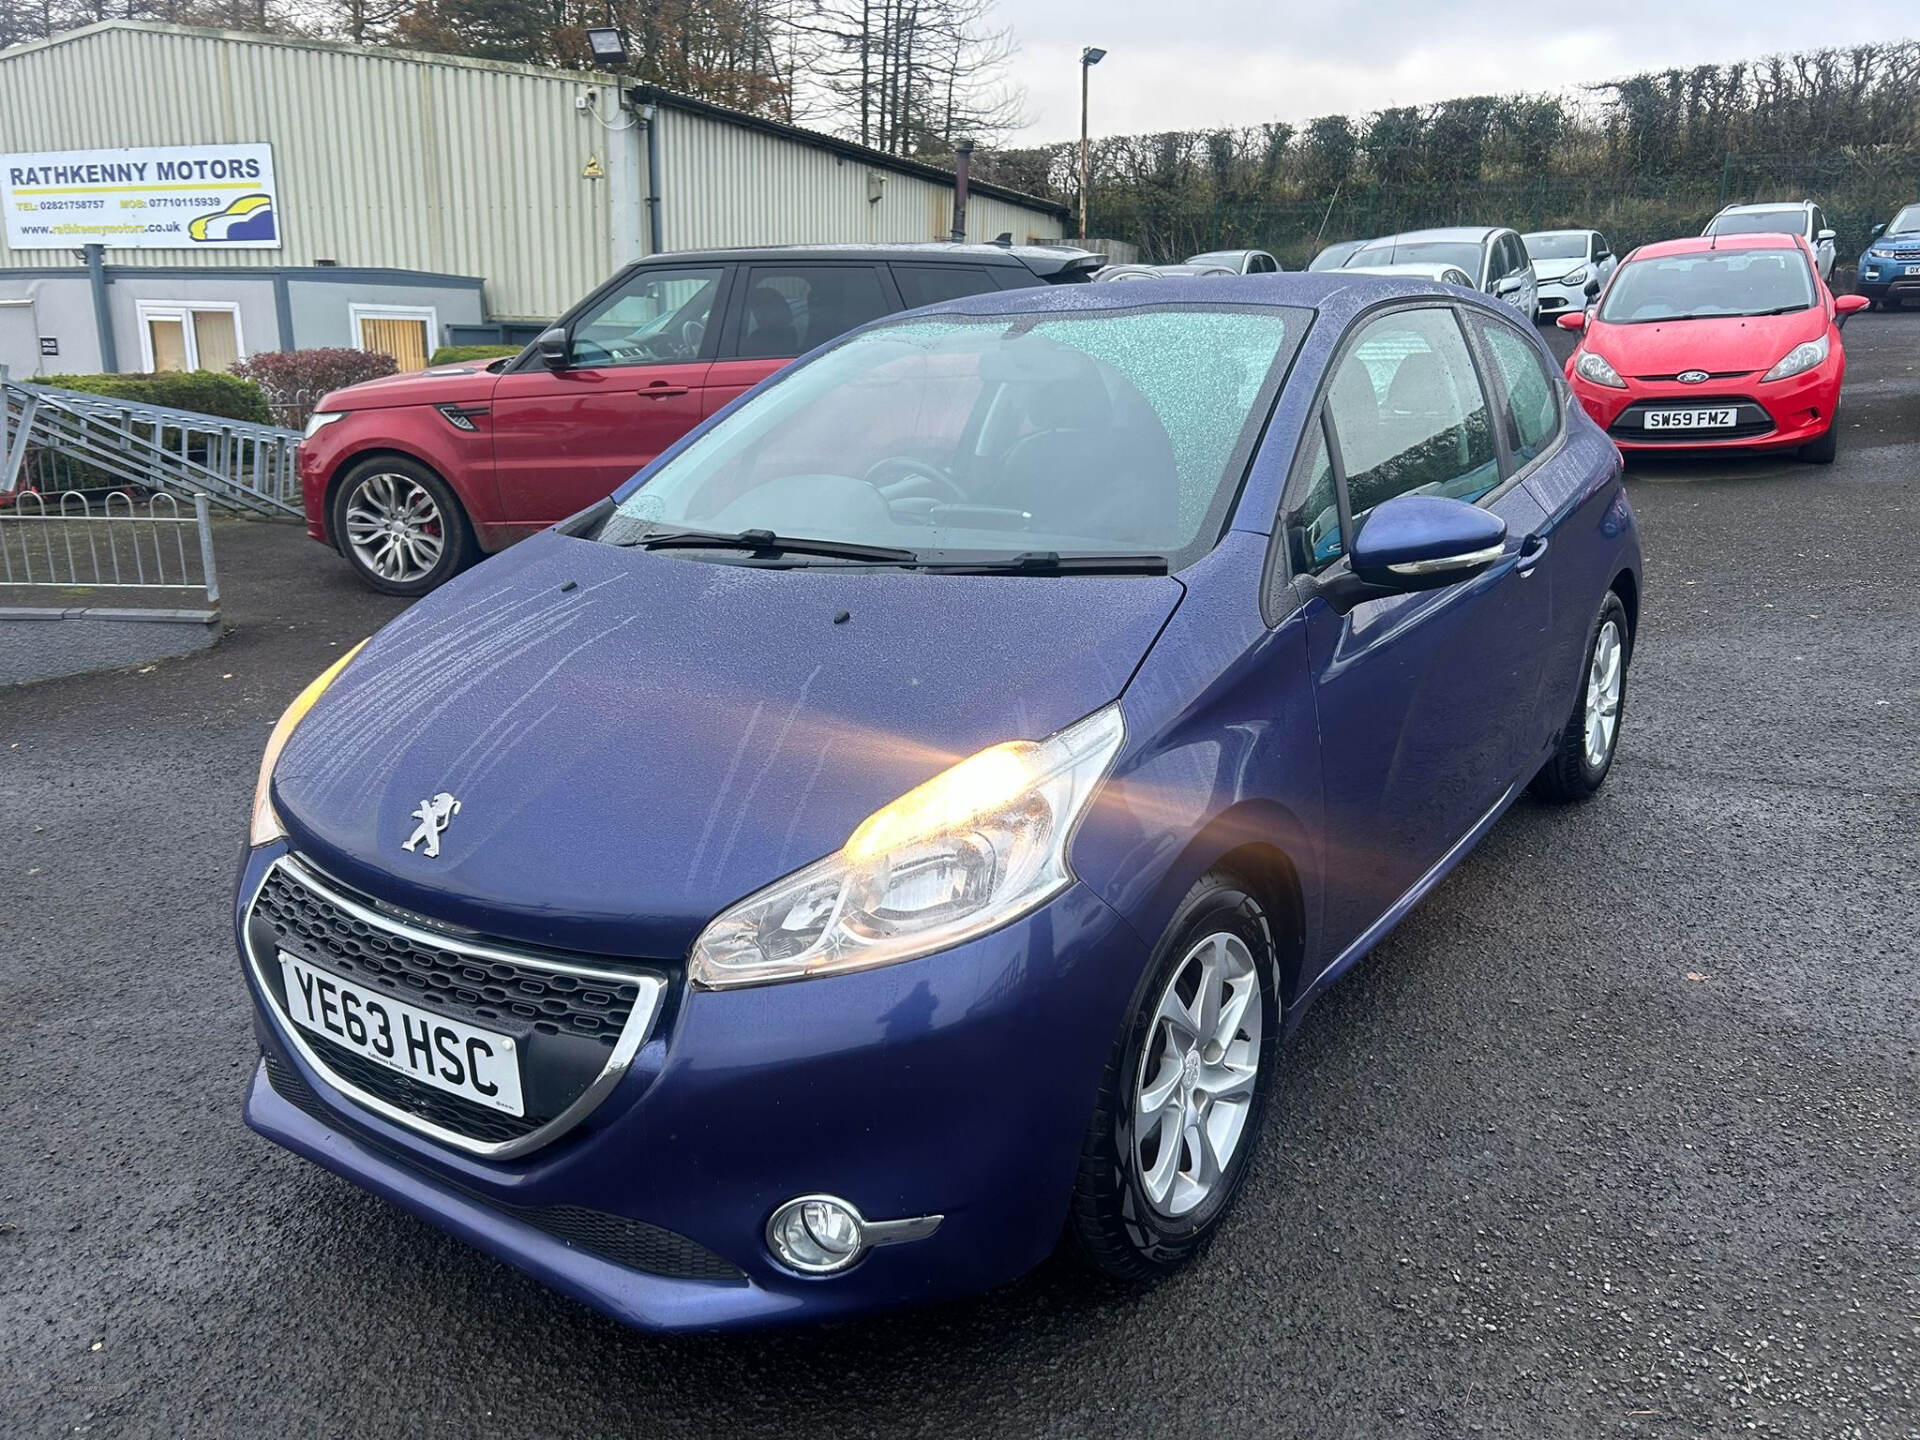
765,542
1052,562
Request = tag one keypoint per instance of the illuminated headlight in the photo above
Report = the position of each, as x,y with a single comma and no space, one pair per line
266,825
319,421
974,848
1797,361
1574,277
1591,367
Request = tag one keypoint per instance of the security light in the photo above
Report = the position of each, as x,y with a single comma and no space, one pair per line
1092,55
609,48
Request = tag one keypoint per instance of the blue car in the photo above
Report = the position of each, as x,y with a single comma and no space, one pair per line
1890,268
895,834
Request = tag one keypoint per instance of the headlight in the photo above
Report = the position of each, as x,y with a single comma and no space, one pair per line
319,421
1879,254
1591,367
1798,360
1574,277
266,825
975,847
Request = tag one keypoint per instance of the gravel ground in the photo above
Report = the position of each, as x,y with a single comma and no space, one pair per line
1619,1134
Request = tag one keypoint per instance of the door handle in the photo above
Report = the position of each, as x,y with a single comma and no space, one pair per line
1531,549
660,391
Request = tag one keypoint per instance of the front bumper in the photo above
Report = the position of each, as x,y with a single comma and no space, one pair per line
1774,415
1883,279
1557,298
958,1085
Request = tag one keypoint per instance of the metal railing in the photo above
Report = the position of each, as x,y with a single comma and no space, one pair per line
63,439
72,545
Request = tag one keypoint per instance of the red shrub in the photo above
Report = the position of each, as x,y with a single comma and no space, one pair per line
296,379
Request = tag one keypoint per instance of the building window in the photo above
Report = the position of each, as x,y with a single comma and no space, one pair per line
180,335
404,332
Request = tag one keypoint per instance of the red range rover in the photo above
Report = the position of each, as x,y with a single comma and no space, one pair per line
413,477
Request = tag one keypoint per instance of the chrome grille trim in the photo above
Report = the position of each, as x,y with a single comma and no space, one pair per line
639,1022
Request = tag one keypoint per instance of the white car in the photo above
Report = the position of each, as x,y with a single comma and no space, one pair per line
1445,274
1491,254
1796,217
1570,266
1241,262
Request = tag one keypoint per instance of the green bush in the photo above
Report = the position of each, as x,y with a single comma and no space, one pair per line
460,354
204,392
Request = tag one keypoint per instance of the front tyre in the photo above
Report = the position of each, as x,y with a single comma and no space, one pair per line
1826,449
401,526
1584,754
1181,1099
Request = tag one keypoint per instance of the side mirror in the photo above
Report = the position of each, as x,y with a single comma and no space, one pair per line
1593,288
1876,232
554,348
1422,542
1845,305
1603,257
1573,320
1823,237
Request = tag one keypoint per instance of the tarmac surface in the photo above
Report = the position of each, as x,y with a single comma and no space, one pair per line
1618,1134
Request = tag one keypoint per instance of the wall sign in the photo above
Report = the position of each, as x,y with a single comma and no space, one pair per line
174,197
49,344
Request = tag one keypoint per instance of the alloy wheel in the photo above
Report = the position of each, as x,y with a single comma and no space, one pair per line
1604,676
395,526
1197,1075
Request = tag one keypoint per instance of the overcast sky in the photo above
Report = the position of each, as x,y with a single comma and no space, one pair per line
1194,64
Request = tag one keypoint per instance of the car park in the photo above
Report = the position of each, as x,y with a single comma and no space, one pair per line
904,820
1715,343
1889,271
1492,255
1239,262
1335,255
1802,218
413,477
1569,267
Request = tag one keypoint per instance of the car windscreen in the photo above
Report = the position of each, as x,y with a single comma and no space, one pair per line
1557,245
1121,431
1333,256
1707,285
1906,222
1217,257
1463,253
1760,222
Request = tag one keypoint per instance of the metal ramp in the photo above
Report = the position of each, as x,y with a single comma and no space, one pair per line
58,440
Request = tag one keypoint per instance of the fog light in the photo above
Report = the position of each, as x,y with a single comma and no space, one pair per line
823,1234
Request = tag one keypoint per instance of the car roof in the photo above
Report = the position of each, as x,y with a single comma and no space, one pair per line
917,250
1473,234
1702,244
1767,205
1537,234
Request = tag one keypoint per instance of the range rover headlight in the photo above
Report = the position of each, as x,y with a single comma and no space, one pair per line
266,825
972,849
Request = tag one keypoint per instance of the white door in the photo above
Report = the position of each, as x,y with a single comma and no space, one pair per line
19,340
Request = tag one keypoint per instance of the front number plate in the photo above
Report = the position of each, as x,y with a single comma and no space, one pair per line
1690,419
462,1060
1910,269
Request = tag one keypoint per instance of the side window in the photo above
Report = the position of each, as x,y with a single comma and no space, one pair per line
657,317
1313,526
789,309
1262,265
930,284
1516,256
1596,246
1533,399
1408,414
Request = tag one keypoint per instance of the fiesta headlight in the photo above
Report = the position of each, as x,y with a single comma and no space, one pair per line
972,849
1800,359
266,825
1590,366
319,421
1575,277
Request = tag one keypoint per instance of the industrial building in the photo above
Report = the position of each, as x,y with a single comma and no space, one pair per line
181,198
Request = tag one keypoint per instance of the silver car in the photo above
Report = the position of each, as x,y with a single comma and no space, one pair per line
1569,266
1240,262
1492,255
1795,217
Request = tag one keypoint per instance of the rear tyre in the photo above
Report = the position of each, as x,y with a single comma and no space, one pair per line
1584,755
1184,1089
1827,447
400,526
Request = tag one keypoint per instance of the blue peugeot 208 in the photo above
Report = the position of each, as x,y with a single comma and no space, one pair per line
895,834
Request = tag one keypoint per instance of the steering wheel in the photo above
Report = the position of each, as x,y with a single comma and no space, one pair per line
692,333
883,477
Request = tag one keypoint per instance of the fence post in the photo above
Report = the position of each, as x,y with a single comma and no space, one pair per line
1726,175
203,524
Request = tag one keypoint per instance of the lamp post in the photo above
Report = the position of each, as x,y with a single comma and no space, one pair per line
1089,57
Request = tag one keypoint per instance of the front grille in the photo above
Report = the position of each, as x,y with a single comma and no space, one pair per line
632,1243
1710,374
1751,421
566,1014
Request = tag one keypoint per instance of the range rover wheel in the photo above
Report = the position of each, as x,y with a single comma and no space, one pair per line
401,526
1180,1102
1587,744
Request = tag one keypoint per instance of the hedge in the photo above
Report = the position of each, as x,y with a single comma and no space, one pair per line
296,380
460,354
204,392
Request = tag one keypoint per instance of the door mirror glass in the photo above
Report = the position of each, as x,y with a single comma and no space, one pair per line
551,347
1420,542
